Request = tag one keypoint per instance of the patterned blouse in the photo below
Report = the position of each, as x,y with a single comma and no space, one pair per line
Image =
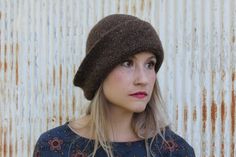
63,142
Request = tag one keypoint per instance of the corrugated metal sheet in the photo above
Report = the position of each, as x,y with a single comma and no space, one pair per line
42,43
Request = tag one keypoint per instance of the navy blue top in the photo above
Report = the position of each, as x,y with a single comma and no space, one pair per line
63,142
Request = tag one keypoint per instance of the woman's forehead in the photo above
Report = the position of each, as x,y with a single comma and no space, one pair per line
144,54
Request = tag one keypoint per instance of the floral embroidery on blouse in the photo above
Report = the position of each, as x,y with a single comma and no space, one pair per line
170,145
55,144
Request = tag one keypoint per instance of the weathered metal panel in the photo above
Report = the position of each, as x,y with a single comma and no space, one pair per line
42,43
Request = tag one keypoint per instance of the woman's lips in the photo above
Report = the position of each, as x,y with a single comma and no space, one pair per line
139,95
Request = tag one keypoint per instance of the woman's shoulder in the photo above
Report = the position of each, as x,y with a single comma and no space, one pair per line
54,141
62,132
174,145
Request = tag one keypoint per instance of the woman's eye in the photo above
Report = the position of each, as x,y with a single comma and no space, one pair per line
127,63
151,65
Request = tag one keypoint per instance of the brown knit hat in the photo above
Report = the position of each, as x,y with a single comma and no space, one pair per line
110,42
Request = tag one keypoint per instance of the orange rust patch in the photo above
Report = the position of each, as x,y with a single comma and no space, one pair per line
5,65
60,110
232,149
213,149
222,115
5,143
222,148
10,141
233,117
213,115
204,110
17,72
73,103
185,117
194,113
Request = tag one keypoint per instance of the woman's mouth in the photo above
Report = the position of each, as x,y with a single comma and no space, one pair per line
139,95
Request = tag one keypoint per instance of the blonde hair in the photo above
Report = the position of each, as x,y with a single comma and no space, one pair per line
147,124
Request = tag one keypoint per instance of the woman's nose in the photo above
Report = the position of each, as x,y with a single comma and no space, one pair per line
140,76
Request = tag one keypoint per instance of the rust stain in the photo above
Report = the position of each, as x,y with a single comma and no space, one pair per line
60,110
232,149
204,110
185,117
213,115
233,38
17,72
5,143
213,149
222,149
5,59
0,15
54,76
222,114
233,103
10,132
73,103
194,114
60,75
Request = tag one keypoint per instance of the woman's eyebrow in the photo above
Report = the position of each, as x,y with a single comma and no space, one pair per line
152,57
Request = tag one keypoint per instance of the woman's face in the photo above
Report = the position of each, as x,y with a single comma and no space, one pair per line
129,86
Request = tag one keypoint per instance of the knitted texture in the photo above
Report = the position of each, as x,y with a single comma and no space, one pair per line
110,42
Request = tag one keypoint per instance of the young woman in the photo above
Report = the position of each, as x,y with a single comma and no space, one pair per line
126,116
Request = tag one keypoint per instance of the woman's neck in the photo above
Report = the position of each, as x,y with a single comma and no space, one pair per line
118,125
120,128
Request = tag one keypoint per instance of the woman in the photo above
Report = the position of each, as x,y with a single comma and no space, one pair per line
126,116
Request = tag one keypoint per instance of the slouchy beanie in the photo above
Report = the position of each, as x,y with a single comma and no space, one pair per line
110,42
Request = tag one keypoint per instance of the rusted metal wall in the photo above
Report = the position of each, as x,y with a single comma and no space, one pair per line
42,43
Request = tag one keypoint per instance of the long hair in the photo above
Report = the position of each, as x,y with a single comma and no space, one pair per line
147,124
